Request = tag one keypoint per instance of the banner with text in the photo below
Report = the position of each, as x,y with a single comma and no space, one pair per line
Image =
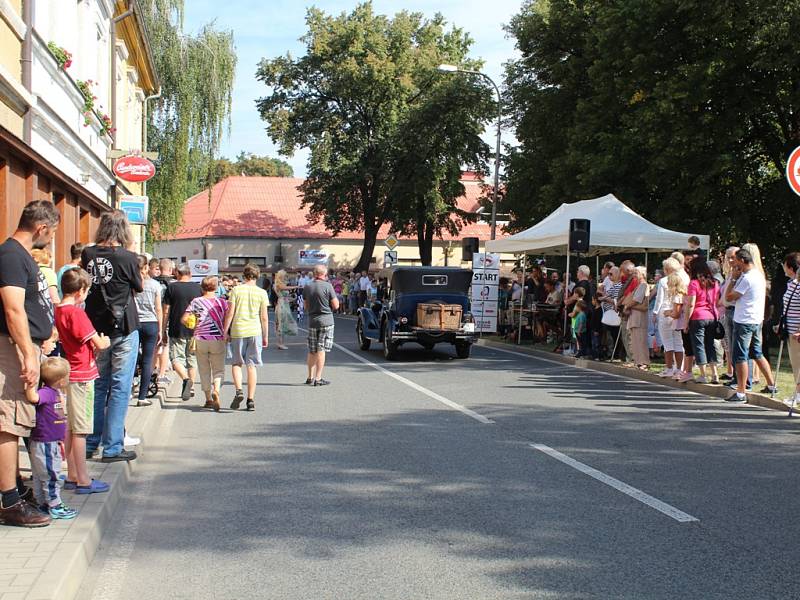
485,286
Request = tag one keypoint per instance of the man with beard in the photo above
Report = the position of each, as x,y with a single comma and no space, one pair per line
23,328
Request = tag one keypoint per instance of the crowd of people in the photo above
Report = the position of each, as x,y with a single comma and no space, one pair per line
712,320
72,342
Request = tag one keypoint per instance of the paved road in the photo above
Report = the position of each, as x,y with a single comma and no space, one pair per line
380,487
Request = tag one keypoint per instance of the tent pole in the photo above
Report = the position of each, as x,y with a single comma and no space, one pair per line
645,260
597,267
522,298
566,295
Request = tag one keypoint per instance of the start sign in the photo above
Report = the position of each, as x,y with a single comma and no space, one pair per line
793,170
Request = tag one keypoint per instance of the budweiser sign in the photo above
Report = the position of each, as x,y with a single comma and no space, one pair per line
134,168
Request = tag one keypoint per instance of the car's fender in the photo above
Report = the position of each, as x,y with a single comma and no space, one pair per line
372,326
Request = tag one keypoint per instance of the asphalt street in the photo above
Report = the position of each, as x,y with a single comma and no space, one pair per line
434,477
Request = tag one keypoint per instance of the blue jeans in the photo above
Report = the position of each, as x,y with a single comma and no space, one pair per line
112,392
701,331
746,342
148,336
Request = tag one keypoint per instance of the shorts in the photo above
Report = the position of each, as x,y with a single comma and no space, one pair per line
17,415
746,342
246,351
179,352
320,339
80,407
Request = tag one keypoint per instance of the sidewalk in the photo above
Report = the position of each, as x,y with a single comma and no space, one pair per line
51,562
714,391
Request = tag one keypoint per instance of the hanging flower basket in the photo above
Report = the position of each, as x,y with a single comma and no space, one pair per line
88,100
62,55
106,125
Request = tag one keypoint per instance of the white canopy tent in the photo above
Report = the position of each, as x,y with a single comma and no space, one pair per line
614,228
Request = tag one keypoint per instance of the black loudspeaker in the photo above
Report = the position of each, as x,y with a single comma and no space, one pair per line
579,235
469,246
278,259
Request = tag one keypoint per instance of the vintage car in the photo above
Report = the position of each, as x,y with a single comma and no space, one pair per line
426,305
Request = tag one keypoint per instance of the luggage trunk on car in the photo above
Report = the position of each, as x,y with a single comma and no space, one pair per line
440,316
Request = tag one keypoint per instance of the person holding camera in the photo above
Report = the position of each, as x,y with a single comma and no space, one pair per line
115,274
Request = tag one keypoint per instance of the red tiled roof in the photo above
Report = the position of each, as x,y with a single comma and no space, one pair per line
270,207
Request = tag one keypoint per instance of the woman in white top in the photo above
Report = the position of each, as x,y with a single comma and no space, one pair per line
151,315
662,317
285,323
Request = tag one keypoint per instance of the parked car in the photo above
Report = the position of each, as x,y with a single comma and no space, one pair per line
426,305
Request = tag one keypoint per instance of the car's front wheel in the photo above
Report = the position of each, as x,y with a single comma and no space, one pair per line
363,341
389,345
463,349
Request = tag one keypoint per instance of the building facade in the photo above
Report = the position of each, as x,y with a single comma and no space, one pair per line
66,103
262,220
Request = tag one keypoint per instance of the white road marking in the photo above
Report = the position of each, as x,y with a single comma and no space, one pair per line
454,405
118,556
618,485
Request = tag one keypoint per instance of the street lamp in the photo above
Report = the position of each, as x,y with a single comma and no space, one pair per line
456,69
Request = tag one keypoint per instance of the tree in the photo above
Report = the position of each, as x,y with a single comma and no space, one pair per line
188,120
251,166
687,110
355,100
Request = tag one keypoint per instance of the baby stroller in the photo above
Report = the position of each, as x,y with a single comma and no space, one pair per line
152,387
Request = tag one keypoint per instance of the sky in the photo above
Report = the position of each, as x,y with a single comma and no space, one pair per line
267,29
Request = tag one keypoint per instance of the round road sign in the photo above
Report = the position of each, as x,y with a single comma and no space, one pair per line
793,171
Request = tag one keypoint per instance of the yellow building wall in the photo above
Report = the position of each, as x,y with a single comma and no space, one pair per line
10,54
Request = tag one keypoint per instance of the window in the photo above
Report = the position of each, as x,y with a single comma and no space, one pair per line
241,261
434,280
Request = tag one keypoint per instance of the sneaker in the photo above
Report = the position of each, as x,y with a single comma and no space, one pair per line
676,375
282,347
684,377
321,382
95,487
164,380
309,381
667,373
251,405
701,379
726,377
237,400
23,514
714,381
736,399
144,402
769,389
90,454
62,511
125,455
733,386
131,441
186,390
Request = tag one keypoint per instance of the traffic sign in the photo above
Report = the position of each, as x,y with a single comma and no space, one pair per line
389,258
793,170
135,207
391,242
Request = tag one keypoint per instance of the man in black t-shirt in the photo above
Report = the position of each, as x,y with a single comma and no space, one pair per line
177,298
23,327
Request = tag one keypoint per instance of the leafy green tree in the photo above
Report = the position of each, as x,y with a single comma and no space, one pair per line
357,99
251,166
187,122
685,109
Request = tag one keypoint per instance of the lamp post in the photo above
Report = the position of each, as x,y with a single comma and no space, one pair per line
455,69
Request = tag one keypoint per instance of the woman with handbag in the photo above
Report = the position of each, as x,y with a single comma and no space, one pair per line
702,320
636,306
151,324
609,295
206,315
789,325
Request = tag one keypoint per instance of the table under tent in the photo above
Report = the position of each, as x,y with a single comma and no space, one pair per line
614,228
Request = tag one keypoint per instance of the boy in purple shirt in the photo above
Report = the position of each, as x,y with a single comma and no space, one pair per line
46,438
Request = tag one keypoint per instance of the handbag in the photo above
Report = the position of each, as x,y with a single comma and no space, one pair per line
719,328
783,327
611,318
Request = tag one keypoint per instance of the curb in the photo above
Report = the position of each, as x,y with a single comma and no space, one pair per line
714,391
61,579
